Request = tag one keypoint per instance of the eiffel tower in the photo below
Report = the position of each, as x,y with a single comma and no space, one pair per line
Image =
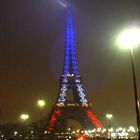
79,109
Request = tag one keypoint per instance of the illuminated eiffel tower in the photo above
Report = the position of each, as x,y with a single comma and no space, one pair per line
79,109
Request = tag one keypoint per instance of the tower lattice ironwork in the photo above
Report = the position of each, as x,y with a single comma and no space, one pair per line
80,108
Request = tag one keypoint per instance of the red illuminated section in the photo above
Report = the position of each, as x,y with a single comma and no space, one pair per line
81,137
94,119
54,118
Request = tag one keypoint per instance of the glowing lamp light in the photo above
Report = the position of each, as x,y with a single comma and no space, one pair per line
129,38
41,103
109,116
24,117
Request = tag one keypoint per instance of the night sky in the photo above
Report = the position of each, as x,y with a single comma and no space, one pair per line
32,37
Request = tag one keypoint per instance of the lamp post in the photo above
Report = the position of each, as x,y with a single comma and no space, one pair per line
109,117
41,104
130,38
24,117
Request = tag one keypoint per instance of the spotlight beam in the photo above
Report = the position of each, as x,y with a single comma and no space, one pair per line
63,3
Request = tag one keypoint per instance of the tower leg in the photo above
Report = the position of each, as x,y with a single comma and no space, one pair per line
94,119
53,119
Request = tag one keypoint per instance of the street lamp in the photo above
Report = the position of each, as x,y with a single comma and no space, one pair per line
24,117
130,38
41,104
109,117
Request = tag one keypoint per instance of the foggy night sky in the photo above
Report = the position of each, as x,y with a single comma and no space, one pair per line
32,51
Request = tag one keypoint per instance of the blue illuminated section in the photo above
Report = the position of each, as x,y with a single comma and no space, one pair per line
70,65
70,56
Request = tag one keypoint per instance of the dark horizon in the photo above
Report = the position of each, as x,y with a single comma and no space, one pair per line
32,50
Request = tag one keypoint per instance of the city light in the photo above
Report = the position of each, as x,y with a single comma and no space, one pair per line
63,3
15,133
121,133
81,137
132,129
